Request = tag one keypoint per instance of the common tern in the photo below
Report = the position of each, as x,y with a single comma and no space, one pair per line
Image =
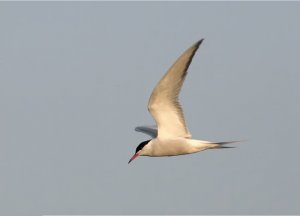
170,136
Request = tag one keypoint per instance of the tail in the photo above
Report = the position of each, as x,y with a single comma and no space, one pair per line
220,145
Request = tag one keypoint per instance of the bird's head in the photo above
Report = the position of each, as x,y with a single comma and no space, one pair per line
142,149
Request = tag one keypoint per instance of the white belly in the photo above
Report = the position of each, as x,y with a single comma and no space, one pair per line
175,146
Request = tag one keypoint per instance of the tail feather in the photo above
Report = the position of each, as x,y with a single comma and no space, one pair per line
228,142
220,145
225,147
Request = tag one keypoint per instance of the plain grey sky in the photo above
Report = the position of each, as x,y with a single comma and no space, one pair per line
75,78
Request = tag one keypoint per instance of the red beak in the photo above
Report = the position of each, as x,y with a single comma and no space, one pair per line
133,157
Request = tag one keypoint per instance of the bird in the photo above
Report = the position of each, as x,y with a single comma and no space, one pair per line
170,136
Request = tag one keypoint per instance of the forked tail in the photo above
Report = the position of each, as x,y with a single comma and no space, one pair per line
219,145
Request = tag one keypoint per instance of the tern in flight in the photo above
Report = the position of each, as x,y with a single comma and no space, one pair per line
170,136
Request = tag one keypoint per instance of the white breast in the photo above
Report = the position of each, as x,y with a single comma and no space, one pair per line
171,147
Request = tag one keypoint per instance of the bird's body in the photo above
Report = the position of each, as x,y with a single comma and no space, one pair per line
160,147
171,136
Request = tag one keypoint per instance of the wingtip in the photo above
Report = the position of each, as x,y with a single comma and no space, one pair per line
200,42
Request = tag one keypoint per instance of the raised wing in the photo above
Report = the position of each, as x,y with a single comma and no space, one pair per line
149,130
163,103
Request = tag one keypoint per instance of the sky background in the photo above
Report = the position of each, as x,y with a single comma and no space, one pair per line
75,78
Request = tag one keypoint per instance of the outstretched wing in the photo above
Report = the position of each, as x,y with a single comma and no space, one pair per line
163,103
149,130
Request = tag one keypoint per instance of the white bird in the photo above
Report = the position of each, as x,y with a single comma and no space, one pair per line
171,136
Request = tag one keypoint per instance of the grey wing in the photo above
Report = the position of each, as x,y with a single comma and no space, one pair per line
149,130
163,103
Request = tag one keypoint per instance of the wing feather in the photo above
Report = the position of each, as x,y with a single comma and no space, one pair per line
163,103
149,130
